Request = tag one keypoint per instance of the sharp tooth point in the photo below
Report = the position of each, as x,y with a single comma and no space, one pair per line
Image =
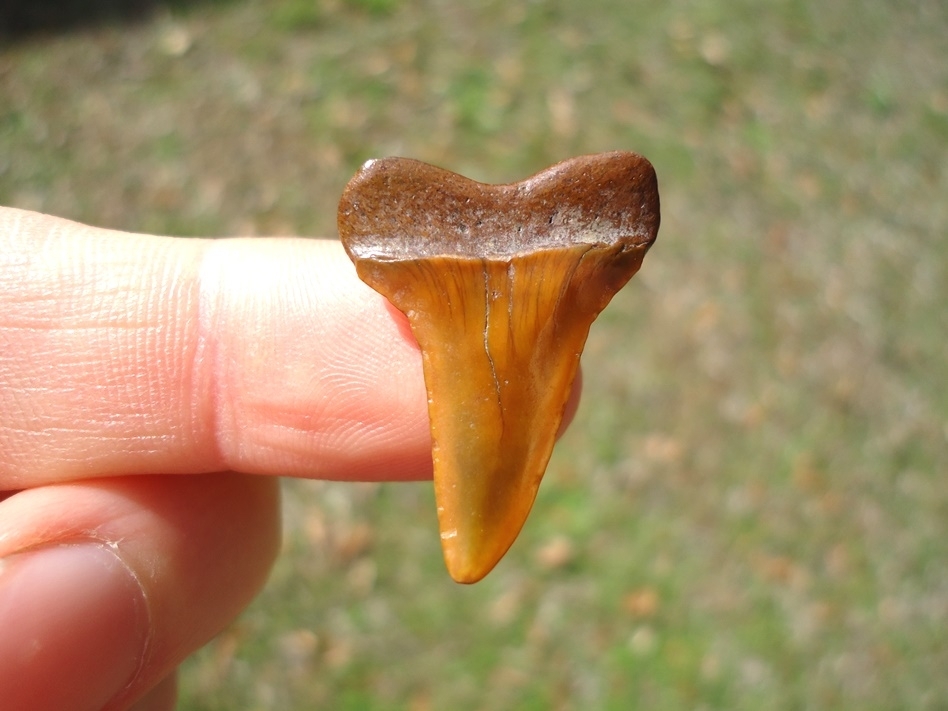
500,284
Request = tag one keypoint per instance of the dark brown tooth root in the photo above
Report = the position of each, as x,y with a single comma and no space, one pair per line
500,284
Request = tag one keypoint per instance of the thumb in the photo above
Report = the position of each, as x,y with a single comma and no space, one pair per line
109,584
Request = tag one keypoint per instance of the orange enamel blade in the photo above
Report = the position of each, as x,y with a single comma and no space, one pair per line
500,285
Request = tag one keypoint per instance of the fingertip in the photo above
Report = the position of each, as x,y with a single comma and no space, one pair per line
315,376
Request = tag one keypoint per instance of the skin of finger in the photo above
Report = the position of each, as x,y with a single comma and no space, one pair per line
126,353
201,547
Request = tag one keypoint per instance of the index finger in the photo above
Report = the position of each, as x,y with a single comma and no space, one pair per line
127,354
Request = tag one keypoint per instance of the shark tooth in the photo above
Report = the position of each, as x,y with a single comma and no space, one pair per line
500,284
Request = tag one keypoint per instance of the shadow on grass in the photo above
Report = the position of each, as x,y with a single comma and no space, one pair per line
24,19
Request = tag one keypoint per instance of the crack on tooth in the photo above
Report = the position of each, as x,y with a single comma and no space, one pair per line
511,271
565,284
493,369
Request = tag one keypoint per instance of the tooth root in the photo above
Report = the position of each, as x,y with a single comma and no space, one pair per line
501,335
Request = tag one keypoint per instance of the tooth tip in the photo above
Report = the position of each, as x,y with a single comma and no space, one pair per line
467,576
467,569
470,553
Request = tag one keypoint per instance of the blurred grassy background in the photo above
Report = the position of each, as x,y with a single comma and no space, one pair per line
751,509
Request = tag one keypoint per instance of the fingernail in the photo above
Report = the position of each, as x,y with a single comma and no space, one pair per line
74,627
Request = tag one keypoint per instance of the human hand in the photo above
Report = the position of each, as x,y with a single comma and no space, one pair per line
128,361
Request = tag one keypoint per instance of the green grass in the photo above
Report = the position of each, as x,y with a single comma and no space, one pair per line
754,495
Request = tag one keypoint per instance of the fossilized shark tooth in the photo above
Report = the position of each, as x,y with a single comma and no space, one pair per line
500,284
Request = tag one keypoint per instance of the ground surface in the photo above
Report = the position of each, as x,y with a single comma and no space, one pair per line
751,509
